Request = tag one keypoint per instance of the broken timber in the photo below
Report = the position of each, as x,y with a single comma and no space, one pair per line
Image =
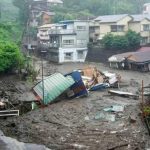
122,93
7,113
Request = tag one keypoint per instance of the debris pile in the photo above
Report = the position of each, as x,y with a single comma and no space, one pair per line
146,105
75,84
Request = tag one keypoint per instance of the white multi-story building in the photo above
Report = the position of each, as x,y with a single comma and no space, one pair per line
68,41
146,8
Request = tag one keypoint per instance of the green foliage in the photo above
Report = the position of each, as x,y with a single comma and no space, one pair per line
131,40
120,42
8,11
23,6
10,32
107,41
78,9
10,56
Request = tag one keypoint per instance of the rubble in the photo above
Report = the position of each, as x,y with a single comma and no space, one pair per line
81,123
122,93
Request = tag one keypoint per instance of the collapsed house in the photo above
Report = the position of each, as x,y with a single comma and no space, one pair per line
75,84
139,60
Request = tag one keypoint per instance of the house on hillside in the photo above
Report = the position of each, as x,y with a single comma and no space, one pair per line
40,18
146,8
119,25
43,34
115,24
68,41
54,2
141,24
40,13
139,60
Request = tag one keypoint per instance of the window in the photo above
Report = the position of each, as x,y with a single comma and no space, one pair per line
146,27
81,42
80,54
144,40
120,28
68,56
68,42
81,27
117,28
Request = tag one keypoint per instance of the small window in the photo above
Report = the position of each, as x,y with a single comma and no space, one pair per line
80,54
117,28
81,42
81,27
113,28
68,42
144,40
68,56
120,28
146,27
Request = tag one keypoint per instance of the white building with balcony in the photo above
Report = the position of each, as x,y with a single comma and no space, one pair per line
68,41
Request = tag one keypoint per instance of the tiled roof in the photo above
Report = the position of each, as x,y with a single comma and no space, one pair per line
137,57
110,18
140,17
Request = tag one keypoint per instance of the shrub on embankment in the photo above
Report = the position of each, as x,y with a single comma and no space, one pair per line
10,56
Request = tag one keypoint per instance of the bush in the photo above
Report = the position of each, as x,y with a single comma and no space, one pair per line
133,39
10,56
130,41
120,42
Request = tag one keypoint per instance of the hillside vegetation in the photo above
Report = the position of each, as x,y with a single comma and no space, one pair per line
9,12
10,37
84,9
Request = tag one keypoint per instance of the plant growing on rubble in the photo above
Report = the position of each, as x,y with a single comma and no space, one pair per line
10,56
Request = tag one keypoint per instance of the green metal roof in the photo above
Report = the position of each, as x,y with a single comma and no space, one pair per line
54,86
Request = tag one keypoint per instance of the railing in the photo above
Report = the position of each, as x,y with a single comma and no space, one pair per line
61,31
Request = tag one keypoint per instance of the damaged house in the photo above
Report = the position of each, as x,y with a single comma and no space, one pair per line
139,60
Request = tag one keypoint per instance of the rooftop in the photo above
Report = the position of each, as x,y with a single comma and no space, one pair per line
110,18
137,57
140,17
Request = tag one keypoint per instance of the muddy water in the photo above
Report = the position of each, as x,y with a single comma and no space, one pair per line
70,124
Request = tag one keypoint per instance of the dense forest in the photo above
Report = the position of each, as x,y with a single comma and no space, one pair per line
74,9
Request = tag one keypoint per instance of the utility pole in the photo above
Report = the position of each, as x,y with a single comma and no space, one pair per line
43,89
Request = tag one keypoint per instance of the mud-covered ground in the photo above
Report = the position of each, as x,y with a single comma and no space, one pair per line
72,124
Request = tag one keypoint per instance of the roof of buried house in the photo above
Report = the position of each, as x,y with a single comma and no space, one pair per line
54,86
137,57
119,57
140,57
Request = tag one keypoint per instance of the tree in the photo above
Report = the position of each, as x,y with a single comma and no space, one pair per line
10,56
24,11
133,39
130,41
107,41
120,42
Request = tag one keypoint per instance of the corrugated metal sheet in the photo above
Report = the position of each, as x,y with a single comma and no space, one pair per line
78,89
54,85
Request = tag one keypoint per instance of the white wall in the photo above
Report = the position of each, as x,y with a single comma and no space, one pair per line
74,51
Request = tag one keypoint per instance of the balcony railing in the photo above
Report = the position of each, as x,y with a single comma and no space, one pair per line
62,31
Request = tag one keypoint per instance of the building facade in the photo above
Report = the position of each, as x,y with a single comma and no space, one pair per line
67,41
120,24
